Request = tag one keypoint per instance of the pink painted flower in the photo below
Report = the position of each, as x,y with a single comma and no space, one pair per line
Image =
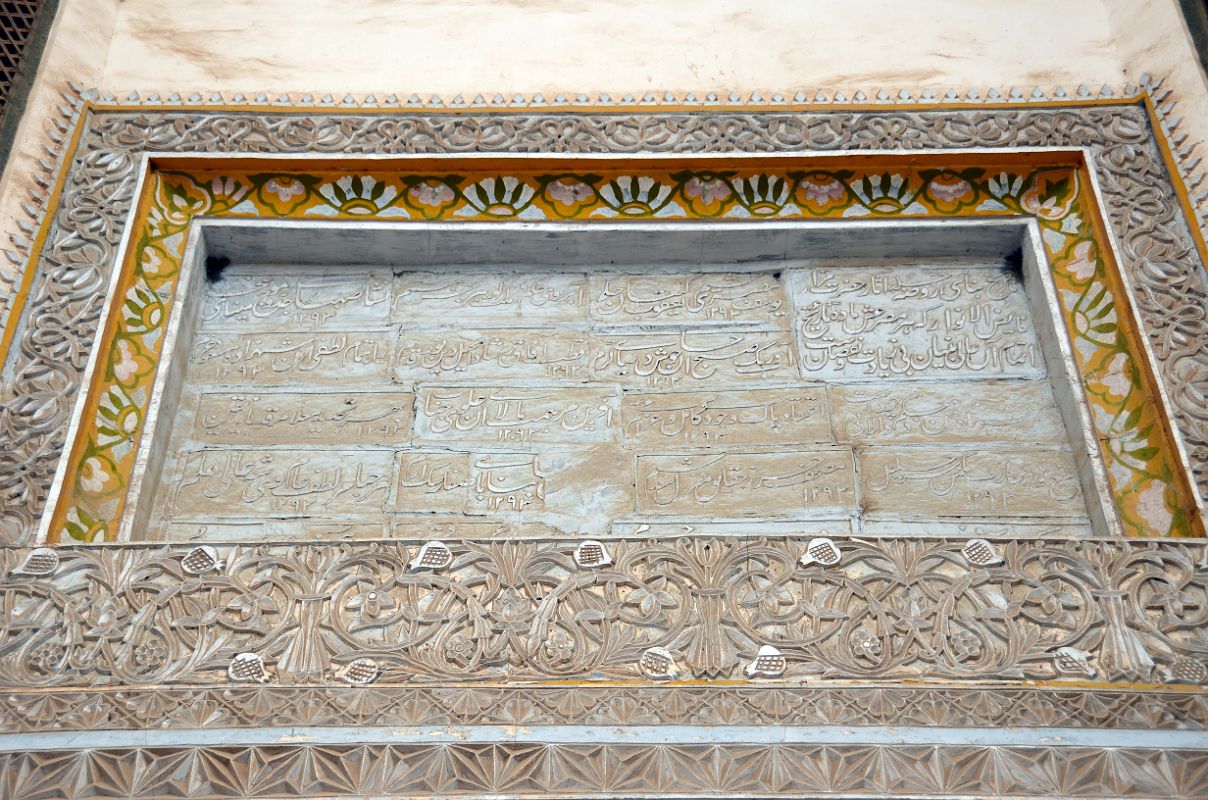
1151,505
284,188
709,190
431,194
568,194
821,193
1116,380
951,191
1050,194
126,367
1082,265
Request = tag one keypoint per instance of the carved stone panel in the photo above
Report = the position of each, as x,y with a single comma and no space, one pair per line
517,415
523,767
907,322
299,358
524,610
747,484
613,400
268,417
1122,144
719,419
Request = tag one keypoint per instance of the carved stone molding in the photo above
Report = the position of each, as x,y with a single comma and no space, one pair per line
604,770
43,369
523,611
763,703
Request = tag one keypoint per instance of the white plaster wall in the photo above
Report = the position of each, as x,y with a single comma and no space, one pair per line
428,46
1151,37
75,51
552,46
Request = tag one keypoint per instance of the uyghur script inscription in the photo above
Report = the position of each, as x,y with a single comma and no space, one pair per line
299,358
754,417
913,322
501,300
493,355
989,411
296,300
515,414
599,402
746,484
1009,483
268,417
227,482
678,299
676,359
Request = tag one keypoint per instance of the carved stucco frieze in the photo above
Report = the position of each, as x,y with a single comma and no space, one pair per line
42,374
526,611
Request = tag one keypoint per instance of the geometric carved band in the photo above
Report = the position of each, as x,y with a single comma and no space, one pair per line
518,768
528,611
185,708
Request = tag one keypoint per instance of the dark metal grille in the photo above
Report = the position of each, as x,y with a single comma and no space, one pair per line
16,24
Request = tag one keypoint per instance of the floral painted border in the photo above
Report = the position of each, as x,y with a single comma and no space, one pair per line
1142,464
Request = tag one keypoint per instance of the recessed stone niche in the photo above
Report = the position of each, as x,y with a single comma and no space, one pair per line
332,380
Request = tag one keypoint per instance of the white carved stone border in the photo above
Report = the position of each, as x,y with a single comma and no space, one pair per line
1161,264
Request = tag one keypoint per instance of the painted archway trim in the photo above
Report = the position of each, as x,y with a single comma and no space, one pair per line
1053,187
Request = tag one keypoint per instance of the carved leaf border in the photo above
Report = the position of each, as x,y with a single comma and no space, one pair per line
524,612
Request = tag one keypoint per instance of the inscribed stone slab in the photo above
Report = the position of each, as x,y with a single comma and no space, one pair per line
319,359
698,360
239,482
486,300
964,411
733,484
517,415
1004,482
297,299
914,322
267,417
697,298
717,419
500,355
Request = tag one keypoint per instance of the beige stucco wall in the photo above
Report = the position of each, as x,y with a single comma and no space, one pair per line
617,46
427,46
